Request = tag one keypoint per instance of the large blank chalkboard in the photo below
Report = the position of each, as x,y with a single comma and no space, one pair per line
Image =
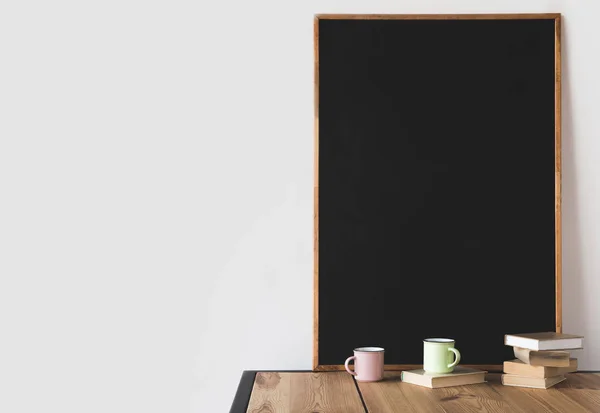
437,189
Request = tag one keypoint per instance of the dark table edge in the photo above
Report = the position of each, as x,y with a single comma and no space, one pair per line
244,390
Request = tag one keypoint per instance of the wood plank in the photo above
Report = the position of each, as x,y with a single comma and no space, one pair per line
270,393
476,398
535,400
316,202
557,174
579,393
553,399
583,389
583,381
391,395
304,392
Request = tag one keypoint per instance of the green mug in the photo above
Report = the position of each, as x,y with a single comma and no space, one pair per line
438,355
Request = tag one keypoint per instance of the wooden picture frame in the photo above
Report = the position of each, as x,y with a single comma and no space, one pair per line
558,243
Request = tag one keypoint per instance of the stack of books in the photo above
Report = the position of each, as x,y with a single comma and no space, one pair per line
461,376
541,359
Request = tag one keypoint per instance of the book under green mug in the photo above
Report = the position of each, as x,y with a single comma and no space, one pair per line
439,355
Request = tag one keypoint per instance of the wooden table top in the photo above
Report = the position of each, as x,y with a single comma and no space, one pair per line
337,392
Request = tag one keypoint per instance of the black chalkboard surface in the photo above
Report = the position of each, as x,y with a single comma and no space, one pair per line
437,208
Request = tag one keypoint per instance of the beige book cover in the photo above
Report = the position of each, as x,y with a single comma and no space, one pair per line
550,358
459,377
531,382
519,368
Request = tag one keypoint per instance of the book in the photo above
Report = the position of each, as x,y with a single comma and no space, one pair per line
459,377
517,367
547,358
544,341
531,382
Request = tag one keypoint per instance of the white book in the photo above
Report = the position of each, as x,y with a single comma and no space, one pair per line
544,341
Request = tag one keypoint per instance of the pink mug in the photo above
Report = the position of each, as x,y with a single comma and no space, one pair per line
368,363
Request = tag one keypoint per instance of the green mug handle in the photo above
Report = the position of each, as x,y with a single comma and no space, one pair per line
456,357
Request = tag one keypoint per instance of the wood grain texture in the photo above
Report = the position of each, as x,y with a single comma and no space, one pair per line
515,16
579,393
583,389
316,204
336,392
558,171
304,392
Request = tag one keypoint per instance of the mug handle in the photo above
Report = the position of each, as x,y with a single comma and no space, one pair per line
348,367
456,357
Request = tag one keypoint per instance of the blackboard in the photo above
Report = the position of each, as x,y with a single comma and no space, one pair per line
437,184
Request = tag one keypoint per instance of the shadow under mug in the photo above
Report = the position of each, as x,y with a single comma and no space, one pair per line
368,363
438,355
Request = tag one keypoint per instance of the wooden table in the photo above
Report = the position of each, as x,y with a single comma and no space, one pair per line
333,392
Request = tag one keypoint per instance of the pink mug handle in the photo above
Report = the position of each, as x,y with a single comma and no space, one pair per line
348,367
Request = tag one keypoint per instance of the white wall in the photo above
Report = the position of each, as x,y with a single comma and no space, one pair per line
156,171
